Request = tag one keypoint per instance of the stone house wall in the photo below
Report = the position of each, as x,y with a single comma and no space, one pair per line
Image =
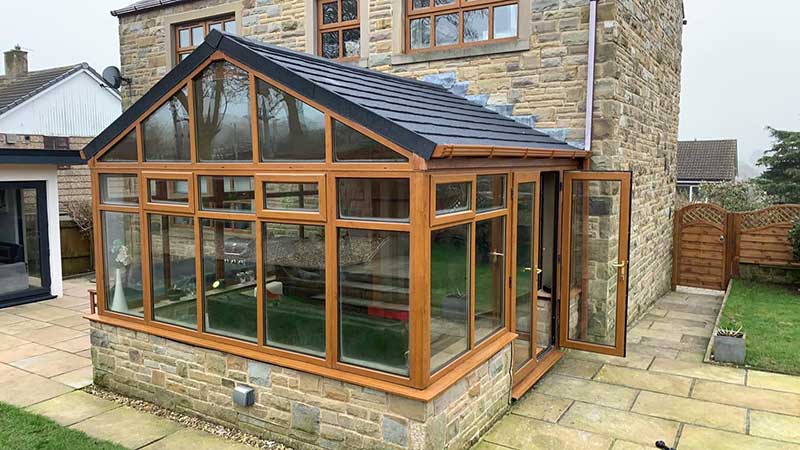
302,410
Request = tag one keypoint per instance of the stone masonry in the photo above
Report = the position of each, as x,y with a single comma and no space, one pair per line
637,90
302,410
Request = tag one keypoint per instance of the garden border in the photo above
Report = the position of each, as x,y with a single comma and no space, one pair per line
710,347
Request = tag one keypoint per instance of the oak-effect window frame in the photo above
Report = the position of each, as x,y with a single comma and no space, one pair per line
339,27
207,24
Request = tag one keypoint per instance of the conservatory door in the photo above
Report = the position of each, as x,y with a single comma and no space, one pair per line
524,274
594,286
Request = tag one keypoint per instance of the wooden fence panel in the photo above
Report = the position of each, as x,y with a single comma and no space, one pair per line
763,236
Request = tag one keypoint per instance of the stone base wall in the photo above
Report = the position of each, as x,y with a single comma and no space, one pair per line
302,410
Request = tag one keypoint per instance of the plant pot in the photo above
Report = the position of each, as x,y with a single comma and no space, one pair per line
729,349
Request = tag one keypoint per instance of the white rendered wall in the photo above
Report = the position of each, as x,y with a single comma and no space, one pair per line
76,106
48,174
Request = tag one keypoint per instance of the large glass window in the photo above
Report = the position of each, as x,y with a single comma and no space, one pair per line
453,197
165,134
373,198
339,30
221,193
222,114
119,189
491,192
350,145
229,278
450,294
291,196
122,262
459,22
294,287
288,129
172,264
490,278
124,150
189,35
373,299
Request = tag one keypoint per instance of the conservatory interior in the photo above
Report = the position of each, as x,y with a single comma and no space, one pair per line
355,225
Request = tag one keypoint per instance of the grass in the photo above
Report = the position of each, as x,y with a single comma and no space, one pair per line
770,316
20,430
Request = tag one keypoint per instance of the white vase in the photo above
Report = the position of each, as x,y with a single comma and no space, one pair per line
119,303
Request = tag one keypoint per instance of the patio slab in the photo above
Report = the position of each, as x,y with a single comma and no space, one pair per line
77,379
686,410
587,391
21,388
645,380
52,364
699,438
72,408
23,351
748,397
50,334
774,381
775,426
523,433
701,371
127,427
541,407
619,424
195,440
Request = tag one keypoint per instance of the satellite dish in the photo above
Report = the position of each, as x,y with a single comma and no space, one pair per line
114,78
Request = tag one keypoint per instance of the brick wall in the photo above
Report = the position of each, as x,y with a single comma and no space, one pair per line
302,410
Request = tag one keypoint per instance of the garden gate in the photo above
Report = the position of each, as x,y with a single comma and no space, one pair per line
701,246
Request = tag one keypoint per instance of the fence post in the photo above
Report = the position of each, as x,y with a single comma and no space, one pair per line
734,231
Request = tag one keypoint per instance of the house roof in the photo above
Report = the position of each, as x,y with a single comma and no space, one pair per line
15,91
144,5
413,114
712,160
40,156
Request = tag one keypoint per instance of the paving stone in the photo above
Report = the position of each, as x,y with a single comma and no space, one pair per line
642,350
677,346
72,407
625,445
75,345
690,316
519,432
484,445
23,351
50,334
70,322
541,407
632,361
775,426
587,391
577,368
78,379
52,364
127,427
702,371
678,329
748,397
644,379
656,334
11,342
195,440
774,381
700,438
22,389
23,327
694,357
47,313
688,410
8,319
620,424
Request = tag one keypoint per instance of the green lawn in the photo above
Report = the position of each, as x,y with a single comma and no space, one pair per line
770,316
20,430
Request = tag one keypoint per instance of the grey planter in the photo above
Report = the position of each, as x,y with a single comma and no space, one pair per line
728,349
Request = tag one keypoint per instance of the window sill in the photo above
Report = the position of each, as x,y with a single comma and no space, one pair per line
519,45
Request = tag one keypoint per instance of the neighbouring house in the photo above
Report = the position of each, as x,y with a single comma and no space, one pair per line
335,256
57,109
706,161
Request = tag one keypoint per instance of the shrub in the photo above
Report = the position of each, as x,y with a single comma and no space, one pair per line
735,195
794,237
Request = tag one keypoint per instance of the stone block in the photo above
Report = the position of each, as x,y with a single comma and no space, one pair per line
259,373
395,430
305,418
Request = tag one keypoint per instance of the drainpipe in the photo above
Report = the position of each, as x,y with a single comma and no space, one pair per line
590,74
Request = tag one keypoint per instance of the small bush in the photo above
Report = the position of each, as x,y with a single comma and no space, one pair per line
794,237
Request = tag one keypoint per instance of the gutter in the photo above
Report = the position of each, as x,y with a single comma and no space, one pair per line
590,74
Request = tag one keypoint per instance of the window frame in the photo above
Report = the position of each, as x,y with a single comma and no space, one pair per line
339,27
456,217
206,22
281,215
170,208
457,7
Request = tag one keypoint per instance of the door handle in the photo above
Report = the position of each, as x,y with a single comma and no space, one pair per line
497,254
529,269
721,238
620,267
538,271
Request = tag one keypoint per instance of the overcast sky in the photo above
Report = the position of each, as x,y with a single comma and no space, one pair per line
741,60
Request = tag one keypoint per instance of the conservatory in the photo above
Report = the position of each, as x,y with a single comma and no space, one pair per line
331,239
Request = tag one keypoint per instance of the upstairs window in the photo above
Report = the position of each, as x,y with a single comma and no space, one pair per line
446,23
339,32
189,35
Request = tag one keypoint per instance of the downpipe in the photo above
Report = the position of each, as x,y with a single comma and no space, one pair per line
587,139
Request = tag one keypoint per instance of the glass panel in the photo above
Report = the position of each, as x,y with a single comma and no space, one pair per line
291,196
288,129
229,278
184,39
421,33
352,42
165,134
491,192
453,197
122,262
447,29
419,4
294,287
168,191
443,2
450,289
20,234
330,44
222,114
350,145
349,10
490,280
525,268
227,194
373,198
183,56
197,35
330,13
548,242
172,262
230,26
594,250
476,25
505,21
215,26
119,189
373,299
124,150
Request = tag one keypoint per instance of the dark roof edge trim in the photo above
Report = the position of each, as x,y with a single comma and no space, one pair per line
160,89
386,128
40,156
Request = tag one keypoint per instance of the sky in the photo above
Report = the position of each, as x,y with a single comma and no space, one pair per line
741,60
